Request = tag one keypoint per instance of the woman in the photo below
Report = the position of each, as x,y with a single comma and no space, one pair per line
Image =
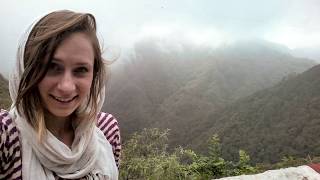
54,129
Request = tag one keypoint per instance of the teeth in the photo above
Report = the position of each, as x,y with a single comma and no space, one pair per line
62,99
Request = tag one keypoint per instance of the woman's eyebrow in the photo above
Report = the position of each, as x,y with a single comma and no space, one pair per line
81,63
56,60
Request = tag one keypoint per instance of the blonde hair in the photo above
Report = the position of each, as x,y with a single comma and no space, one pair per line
43,40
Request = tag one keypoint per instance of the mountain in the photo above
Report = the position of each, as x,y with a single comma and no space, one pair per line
5,100
283,120
176,85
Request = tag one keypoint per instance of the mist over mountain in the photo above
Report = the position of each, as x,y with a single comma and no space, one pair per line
272,123
177,85
310,52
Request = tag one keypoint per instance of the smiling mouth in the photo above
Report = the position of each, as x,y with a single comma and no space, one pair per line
63,100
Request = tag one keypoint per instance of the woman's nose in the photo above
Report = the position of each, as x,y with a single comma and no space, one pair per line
67,83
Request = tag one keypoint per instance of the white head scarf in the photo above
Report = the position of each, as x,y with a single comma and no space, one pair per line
90,156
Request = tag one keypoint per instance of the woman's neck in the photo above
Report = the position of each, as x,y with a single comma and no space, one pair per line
61,128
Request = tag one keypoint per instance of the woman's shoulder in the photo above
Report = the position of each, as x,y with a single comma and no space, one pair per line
6,121
10,154
107,123
8,128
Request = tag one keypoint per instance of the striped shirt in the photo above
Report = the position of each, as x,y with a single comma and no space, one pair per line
10,147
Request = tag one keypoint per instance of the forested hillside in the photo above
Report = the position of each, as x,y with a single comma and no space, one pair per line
5,100
177,86
273,123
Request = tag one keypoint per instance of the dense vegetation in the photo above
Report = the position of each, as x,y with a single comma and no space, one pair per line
5,100
145,156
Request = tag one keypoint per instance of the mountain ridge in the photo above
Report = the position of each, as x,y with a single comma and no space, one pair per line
272,123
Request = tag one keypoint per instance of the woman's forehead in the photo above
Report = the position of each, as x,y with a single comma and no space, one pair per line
76,48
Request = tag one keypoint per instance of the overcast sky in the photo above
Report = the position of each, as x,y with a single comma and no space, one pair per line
294,23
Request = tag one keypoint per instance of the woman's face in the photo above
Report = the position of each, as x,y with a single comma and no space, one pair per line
68,80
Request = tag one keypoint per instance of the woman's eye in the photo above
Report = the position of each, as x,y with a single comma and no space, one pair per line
54,68
81,70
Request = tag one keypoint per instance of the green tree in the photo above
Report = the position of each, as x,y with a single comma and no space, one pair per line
145,156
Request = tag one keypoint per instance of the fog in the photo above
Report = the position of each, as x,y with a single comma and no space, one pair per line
293,23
